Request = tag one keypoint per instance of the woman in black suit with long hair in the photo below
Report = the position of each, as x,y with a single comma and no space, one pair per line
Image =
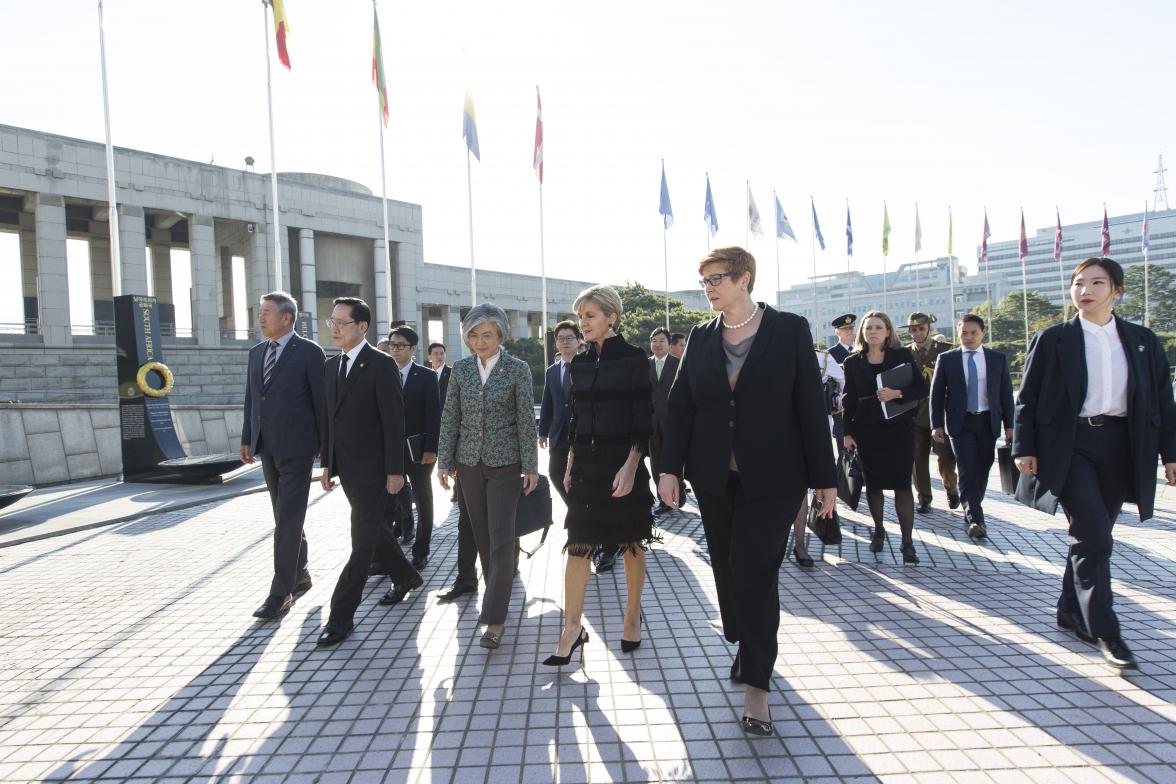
1094,411
747,420
886,446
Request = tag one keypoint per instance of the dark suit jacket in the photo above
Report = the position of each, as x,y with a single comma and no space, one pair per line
839,353
861,386
661,390
284,416
443,382
363,420
774,420
1053,389
949,391
555,409
422,406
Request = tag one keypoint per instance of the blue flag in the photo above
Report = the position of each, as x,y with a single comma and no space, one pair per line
664,208
817,225
469,126
708,213
848,232
783,228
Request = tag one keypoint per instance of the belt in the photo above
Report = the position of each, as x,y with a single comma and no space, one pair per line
1101,420
977,413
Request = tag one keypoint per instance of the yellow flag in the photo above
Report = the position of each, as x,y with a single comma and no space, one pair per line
885,231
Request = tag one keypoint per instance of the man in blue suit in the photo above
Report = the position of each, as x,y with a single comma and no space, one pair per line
972,398
555,413
283,400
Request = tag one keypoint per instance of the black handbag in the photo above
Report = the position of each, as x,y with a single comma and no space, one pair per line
1008,469
1031,493
850,478
827,529
533,513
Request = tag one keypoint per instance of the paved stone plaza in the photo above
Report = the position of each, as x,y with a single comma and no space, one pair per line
130,654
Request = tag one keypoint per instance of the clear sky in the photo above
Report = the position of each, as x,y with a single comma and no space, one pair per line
1005,104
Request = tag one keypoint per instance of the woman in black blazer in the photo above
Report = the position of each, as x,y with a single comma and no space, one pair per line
747,422
886,446
1094,411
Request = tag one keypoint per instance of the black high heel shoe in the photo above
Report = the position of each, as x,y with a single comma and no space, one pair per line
807,562
563,661
628,646
758,727
876,541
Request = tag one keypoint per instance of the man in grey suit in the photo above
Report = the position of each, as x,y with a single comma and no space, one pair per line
283,400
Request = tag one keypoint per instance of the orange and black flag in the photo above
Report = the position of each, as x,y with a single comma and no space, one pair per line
282,29
378,67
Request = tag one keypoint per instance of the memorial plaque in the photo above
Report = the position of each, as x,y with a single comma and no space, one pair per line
148,433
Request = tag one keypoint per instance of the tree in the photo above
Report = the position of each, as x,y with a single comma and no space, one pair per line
1007,321
1161,297
530,350
645,310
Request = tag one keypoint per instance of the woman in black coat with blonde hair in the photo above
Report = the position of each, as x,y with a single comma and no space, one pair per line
886,446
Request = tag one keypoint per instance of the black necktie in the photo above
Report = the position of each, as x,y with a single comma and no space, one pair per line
567,381
342,377
271,359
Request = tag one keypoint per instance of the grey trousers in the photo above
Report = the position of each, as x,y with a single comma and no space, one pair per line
491,497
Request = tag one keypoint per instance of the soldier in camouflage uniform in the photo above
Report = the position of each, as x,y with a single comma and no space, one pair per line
926,352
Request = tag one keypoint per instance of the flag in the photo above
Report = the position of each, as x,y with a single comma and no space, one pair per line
469,126
949,234
378,66
783,227
885,230
848,231
1106,234
282,30
538,162
1058,237
984,238
918,231
664,208
753,216
817,224
708,213
1024,241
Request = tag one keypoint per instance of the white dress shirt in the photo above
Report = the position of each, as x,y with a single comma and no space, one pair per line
351,355
659,365
830,368
1106,370
981,378
282,341
485,370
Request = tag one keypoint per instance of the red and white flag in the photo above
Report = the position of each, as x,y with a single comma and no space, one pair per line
1106,234
984,238
538,163
1024,241
1058,237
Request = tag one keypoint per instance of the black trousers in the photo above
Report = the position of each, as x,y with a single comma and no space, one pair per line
467,548
288,481
1098,482
975,449
557,466
924,446
420,479
368,529
746,538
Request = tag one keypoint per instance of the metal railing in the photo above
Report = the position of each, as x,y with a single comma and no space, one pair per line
26,327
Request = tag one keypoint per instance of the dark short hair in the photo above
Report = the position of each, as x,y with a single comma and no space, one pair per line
435,345
285,302
677,338
972,317
567,324
359,309
408,333
659,331
1109,266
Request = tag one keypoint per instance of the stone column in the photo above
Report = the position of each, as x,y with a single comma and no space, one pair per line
132,243
260,272
381,294
309,299
520,328
454,345
52,274
202,247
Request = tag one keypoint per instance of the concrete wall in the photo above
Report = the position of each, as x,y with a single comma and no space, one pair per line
42,444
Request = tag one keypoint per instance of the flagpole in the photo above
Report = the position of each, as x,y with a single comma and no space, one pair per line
666,268
950,269
1146,252
848,261
747,215
1061,274
885,241
269,97
384,203
988,282
542,277
1024,278
816,318
775,201
111,188
470,204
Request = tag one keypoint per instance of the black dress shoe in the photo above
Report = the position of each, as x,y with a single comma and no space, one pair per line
408,538
605,562
455,592
807,562
876,541
1117,654
398,591
924,507
908,555
334,633
274,607
304,583
420,562
953,501
977,531
1072,622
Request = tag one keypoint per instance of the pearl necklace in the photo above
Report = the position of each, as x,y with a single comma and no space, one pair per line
743,323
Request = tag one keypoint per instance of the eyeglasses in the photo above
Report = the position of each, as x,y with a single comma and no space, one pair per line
566,339
332,323
715,280
398,345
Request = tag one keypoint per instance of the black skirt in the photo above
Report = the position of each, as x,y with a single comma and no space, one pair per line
594,516
887,450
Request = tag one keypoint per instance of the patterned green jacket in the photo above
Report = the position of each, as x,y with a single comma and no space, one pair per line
492,424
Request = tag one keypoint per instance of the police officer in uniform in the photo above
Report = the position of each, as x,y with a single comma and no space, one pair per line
926,352
844,327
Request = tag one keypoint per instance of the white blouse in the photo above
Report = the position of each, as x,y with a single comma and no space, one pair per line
1106,370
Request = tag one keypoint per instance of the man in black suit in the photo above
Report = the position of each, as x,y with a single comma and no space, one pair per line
971,398
844,327
283,400
677,345
555,412
663,366
362,441
422,425
437,362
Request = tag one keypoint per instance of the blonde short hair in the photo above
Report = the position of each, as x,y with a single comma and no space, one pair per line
733,259
606,297
859,341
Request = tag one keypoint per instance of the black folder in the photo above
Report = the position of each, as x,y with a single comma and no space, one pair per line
898,377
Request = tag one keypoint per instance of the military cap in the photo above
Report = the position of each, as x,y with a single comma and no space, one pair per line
844,321
917,319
